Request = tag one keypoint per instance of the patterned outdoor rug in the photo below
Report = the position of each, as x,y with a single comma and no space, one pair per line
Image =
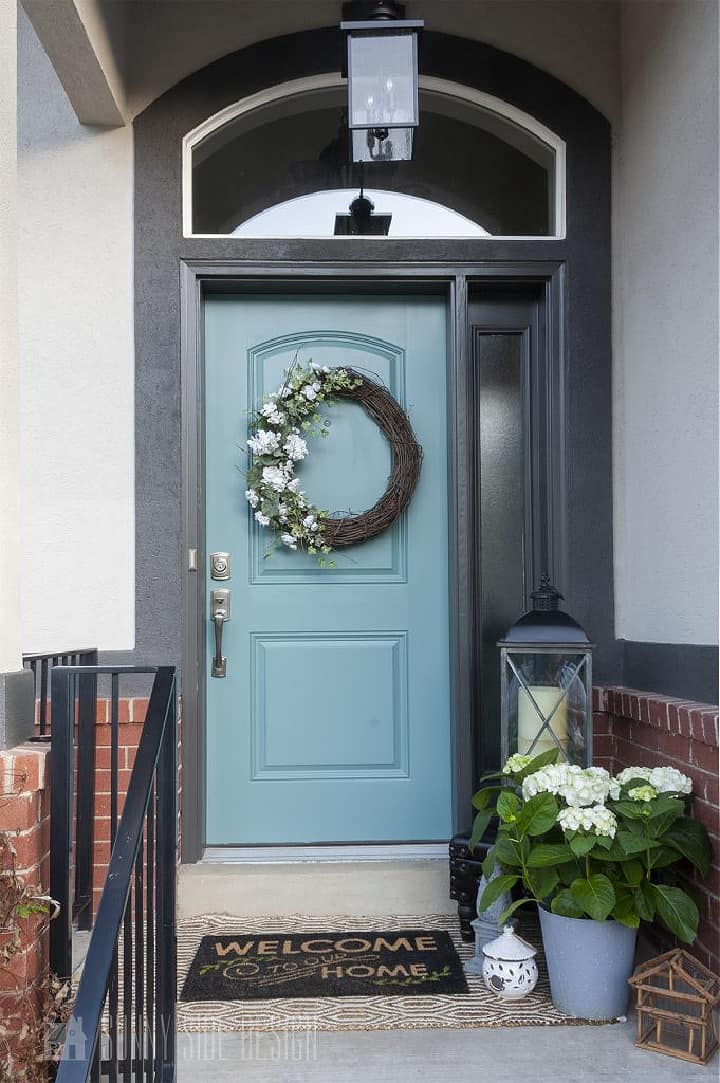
360,962
387,1011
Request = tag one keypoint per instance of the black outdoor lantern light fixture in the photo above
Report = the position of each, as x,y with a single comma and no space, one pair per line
382,73
546,683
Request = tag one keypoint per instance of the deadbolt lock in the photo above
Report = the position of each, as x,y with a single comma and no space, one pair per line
219,565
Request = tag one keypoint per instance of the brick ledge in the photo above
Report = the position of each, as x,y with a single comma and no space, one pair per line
678,717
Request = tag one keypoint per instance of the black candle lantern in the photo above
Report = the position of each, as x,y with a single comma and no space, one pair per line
546,683
382,72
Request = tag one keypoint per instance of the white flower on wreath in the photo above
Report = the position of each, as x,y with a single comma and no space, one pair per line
295,447
264,520
275,478
289,541
310,522
271,413
293,485
252,497
310,391
283,512
264,442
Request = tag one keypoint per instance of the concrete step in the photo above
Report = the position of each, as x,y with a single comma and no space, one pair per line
315,888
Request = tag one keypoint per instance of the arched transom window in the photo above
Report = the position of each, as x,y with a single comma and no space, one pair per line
277,165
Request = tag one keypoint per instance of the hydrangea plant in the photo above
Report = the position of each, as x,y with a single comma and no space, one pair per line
585,844
280,428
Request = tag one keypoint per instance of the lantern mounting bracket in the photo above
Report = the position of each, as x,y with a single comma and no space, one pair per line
362,10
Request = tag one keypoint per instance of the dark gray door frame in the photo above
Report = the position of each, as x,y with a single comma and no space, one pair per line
453,281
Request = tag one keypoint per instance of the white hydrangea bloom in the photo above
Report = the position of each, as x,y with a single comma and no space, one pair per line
670,780
264,442
289,540
293,485
275,478
516,763
643,793
310,392
295,447
662,779
310,522
633,772
580,787
252,497
262,519
592,820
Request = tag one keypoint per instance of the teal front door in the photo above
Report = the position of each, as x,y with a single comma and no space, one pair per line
332,722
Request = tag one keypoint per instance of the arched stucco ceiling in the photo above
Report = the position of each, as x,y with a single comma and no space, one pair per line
147,46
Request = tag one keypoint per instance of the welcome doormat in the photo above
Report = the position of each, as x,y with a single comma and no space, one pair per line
386,1011
406,962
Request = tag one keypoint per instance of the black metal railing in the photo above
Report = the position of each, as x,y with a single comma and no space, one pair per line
83,734
41,666
123,1020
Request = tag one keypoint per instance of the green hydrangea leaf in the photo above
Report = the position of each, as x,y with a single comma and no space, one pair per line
595,895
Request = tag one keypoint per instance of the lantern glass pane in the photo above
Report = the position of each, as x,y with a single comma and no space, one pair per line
382,81
547,704
397,147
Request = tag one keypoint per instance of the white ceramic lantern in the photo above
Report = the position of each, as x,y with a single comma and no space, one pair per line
509,967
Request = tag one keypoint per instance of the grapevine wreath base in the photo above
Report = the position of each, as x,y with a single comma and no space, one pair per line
278,443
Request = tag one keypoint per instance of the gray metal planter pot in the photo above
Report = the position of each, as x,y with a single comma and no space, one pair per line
589,963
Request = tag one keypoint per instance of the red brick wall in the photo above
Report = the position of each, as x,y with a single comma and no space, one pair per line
131,716
641,729
25,820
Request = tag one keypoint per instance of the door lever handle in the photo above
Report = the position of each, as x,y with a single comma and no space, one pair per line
219,614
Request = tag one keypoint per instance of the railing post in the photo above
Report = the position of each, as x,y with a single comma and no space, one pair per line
166,878
61,800
85,798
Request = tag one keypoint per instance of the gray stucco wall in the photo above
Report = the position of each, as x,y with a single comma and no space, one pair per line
665,300
74,277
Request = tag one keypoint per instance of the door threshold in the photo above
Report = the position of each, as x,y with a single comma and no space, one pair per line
271,855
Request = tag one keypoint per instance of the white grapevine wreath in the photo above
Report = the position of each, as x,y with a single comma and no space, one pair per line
278,443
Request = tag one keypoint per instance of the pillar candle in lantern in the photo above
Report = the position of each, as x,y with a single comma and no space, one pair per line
546,696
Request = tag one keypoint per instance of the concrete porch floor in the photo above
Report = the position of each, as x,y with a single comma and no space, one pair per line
537,1054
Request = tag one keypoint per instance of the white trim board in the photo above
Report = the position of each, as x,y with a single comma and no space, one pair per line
284,855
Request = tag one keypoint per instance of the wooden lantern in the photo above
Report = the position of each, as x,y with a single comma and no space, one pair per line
676,1001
